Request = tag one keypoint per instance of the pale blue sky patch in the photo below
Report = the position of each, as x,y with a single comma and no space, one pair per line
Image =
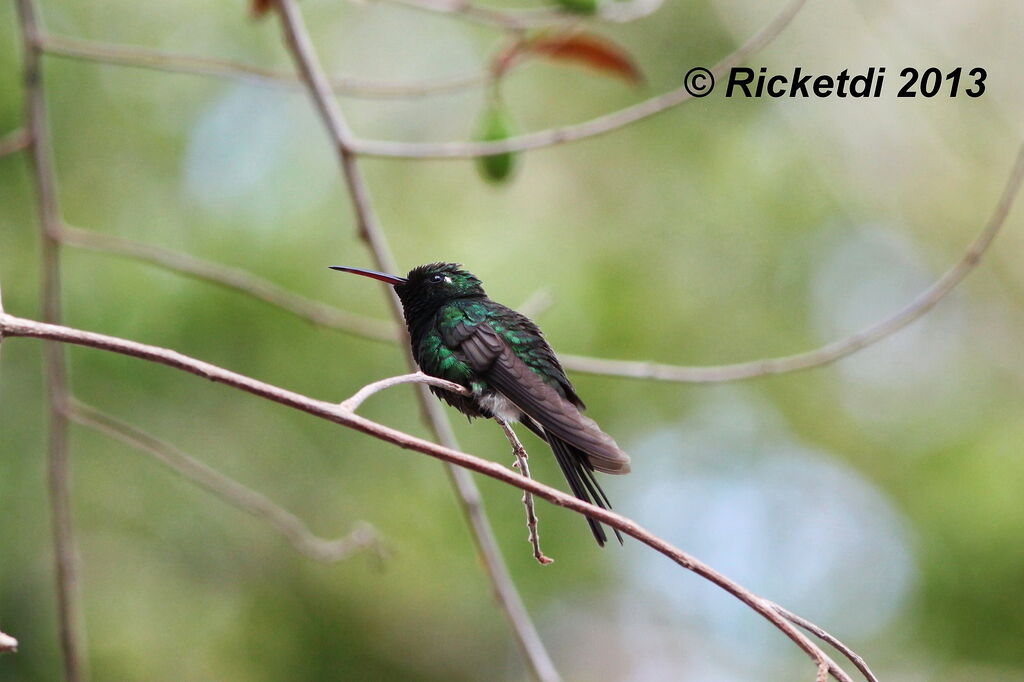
733,486
250,156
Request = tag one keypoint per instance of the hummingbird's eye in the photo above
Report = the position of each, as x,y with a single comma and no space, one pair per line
434,279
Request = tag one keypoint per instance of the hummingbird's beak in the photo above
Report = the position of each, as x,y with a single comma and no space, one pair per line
382,276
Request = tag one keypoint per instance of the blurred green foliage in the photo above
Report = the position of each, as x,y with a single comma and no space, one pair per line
720,231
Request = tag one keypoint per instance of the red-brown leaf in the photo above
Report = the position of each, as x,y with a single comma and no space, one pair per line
590,50
260,7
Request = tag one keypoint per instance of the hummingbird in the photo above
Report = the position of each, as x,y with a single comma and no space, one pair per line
512,375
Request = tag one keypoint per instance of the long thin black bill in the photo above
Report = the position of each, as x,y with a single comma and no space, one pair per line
382,276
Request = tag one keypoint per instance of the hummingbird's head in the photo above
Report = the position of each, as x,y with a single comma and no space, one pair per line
427,285
438,282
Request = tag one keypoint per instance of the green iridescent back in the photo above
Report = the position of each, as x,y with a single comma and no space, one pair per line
432,348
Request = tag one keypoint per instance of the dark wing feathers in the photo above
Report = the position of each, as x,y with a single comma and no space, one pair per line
552,409
486,352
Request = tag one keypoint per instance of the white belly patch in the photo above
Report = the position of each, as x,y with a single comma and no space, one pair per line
500,406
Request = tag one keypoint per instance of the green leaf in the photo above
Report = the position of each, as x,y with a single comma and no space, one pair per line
496,124
580,6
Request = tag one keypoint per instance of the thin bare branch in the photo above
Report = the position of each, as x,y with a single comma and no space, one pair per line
362,537
18,327
523,464
538,17
300,45
572,133
537,303
522,458
831,352
824,636
477,14
13,142
243,281
625,12
348,148
325,315
316,312
158,60
71,623
8,645
352,404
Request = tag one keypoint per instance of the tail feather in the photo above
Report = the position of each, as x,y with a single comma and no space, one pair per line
580,475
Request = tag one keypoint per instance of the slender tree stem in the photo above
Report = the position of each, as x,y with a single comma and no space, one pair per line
69,612
308,64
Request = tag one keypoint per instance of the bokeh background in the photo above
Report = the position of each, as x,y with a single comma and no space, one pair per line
880,497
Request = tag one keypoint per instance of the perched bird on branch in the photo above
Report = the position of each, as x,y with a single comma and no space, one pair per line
502,359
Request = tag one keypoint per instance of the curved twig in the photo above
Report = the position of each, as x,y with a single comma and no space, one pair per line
18,327
313,311
348,148
14,142
334,318
515,20
579,131
159,60
352,404
8,645
831,352
824,636
308,309
536,303
363,536
307,63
